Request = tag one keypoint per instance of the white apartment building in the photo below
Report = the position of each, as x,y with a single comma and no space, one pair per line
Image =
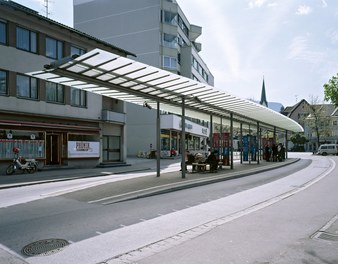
159,33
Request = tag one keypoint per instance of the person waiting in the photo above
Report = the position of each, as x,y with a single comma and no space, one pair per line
212,161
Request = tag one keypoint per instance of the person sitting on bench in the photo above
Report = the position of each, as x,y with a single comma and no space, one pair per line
212,160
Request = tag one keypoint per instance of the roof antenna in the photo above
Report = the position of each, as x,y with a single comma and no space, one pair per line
46,6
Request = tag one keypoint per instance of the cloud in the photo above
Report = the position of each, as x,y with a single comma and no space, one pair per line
256,3
324,4
303,10
260,3
299,50
333,36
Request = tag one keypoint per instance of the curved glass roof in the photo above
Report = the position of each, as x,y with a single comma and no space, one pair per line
111,75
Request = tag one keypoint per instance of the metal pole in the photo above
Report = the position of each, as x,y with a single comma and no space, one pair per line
249,156
231,141
211,131
286,144
241,142
158,140
183,138
258,138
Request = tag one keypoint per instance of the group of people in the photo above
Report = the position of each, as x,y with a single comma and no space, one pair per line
274,152
212,159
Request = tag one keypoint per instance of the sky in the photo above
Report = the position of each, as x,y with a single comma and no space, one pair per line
292,44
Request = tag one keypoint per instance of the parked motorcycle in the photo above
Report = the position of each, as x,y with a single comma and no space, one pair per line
20,163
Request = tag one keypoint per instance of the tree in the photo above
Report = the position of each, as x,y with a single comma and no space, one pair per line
331,90
298,140
317,119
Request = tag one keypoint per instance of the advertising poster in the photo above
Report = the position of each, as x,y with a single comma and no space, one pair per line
83,149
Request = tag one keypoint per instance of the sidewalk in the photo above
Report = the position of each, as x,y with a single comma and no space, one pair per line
141,180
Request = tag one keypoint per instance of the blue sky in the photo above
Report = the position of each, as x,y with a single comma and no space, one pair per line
292,43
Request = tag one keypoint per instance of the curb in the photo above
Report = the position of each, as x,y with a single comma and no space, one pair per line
177,186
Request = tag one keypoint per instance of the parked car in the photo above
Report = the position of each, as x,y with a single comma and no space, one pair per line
328,149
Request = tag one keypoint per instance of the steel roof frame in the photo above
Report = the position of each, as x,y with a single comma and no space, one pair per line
101,72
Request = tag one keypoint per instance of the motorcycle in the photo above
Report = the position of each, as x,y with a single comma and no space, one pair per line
20,163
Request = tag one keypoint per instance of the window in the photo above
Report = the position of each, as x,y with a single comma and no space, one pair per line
26,40
54,92
78,97
3,33
26,87
334,123
169,18
76,51
169,40
54,48
169,62
3,83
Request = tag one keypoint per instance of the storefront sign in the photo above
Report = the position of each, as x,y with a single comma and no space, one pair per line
83,149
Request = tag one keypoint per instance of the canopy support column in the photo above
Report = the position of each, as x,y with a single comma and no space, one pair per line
158,140
258,140
241,142
183,166
286,144
231,143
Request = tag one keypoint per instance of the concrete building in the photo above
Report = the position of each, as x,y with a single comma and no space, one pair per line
59,125
158,32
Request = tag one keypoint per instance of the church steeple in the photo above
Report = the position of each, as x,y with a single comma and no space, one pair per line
263,96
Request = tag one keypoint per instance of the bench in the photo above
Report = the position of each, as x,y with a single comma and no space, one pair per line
199,167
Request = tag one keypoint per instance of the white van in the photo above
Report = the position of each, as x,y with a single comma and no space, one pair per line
328,149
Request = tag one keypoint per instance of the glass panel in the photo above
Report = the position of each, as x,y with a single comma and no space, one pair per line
76,51
22,38
60,94
33,42
34,88
60,50
51,48
3,82
22,86
3,39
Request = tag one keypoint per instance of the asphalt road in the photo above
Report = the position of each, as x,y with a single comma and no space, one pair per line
72,217
299,229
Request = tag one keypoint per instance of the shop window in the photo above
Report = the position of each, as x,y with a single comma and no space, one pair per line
78,97
3,33
3,83
54,48
26,40
30,143
76,51
26,87
54,93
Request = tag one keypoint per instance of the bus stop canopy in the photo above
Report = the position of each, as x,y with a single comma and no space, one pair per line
111,75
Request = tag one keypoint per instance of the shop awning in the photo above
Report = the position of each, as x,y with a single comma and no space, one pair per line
125,79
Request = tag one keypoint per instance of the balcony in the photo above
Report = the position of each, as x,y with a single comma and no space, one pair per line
114,117
195,32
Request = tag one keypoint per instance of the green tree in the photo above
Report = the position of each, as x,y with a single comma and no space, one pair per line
331,90
298,140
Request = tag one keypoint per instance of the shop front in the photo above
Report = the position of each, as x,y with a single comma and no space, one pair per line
52,144
171,128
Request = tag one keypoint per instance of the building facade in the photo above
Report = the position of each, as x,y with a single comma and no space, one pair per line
56,124
158,32
320,122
